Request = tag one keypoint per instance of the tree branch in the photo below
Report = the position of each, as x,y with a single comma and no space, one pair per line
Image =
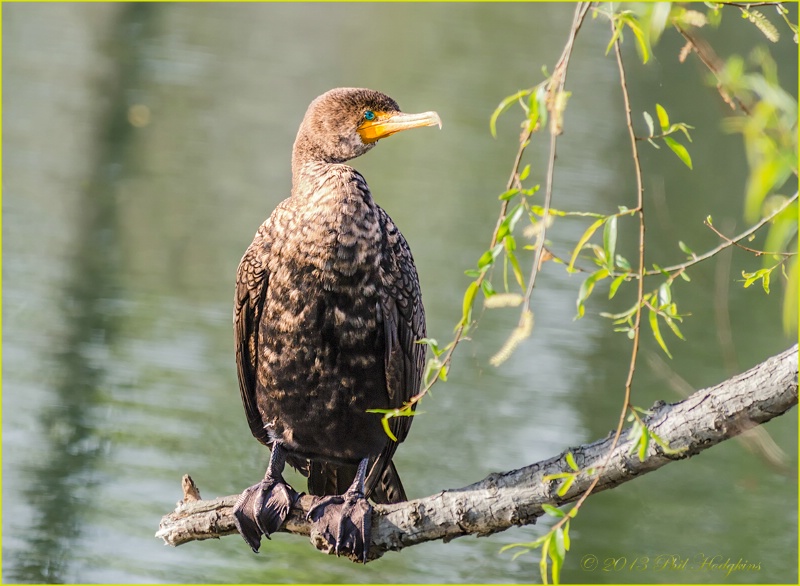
500,501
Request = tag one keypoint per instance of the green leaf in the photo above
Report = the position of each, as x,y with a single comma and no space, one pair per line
644,442
556,552
562,550
552,511
583,240
571,461
466,307
612,290
566,535
565,486
506,195
587,286
556,476
525,172
385,423
487,288
663,117
686,249
649,121
508,223
502,107
543,561
510,245
659,17
657,332
487,258
633,24
533,108
664,294
617,34
674,327
610,241
679,150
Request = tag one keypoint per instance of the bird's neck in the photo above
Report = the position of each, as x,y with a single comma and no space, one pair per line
324,184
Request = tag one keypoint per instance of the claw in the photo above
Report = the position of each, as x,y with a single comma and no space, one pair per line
344,522
262,509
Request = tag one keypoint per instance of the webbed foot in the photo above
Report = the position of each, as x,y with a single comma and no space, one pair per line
262,509
342,523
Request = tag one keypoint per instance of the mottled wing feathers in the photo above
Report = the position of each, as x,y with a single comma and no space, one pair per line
252,279
404,324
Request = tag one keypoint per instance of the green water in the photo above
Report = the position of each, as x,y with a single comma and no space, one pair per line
121,240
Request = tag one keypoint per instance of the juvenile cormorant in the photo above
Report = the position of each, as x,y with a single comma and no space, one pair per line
327,316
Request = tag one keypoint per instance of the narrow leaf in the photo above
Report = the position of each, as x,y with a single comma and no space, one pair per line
552,511
612,290
663,117
565,486
571,461
508,194
502,107
679,150
674,327
610,241
556,551
642,42
543,561
583,240
644,442
649,121
469,297
657,332
385,423
587,286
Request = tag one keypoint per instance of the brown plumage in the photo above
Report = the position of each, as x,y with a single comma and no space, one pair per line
327,316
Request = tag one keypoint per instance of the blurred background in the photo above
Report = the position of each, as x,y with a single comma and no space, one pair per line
143,144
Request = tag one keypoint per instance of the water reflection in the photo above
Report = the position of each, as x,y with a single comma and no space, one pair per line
121,242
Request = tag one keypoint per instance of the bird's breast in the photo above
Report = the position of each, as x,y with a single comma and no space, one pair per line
322,340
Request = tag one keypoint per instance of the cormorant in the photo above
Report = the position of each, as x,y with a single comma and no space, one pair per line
327,317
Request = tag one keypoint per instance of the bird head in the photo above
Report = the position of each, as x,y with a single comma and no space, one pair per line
345,123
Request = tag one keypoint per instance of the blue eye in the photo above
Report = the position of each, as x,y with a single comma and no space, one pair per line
369,115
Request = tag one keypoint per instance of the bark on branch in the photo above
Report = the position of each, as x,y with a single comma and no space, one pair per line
500,501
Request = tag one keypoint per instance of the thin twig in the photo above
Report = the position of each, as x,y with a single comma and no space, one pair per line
743,247
707,56
728,242
559,76
750,4
580,14
637,320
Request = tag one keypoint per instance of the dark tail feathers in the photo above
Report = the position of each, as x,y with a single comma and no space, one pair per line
383,487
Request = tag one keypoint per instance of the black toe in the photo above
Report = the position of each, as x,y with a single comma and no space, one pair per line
345,523
262,509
